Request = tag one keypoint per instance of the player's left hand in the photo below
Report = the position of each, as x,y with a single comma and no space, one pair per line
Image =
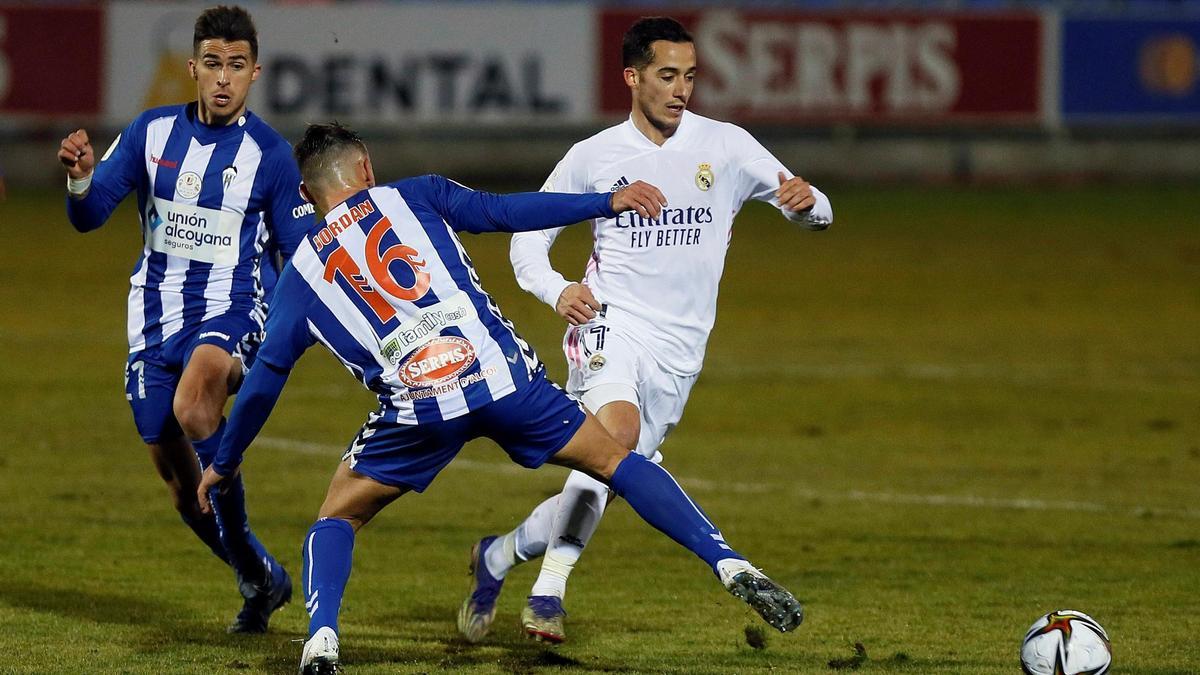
642,197
211,479
794,194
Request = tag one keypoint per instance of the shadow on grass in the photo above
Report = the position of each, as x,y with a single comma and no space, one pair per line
165,628
455,654
97,606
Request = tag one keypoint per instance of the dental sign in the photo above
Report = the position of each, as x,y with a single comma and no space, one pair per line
419,62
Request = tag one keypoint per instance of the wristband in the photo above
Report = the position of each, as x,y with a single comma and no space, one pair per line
80,187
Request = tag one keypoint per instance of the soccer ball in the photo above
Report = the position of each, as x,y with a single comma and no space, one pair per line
1065,642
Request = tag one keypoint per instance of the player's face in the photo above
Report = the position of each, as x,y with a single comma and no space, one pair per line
223,72
662,88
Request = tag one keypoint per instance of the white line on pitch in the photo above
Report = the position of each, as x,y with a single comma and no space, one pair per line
708,485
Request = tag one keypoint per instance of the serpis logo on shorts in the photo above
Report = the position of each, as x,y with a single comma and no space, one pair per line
441,359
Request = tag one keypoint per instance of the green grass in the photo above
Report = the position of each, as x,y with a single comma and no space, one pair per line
955,411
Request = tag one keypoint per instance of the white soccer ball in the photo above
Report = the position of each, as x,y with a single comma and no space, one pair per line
1066,642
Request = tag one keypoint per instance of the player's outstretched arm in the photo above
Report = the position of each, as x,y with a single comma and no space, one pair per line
287,339
93,191
255,401
471,211
640,196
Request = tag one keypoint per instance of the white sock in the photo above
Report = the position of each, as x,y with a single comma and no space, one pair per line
527,541
580,507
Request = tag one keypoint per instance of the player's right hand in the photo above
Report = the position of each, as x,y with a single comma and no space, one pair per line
209,480
76,154
642,197
577,305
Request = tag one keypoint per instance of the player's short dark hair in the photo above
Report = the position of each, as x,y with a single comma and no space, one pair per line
637,49
226,23
322,141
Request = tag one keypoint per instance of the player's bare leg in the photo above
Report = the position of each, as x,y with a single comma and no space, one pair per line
657,498
175,461
351,502
200,397
199,404
356,498
580,507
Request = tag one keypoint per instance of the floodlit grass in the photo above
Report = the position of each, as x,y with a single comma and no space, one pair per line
955,411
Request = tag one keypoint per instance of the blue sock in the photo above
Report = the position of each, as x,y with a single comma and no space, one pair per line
206,449
328,550
659,500
245,553
207,530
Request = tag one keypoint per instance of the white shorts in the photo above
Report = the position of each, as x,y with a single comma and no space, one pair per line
606,363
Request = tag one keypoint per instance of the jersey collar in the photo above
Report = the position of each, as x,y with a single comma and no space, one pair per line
209,134
684,125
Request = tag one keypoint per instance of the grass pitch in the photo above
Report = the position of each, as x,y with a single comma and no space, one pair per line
956,410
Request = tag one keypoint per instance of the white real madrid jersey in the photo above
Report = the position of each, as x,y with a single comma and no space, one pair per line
659,277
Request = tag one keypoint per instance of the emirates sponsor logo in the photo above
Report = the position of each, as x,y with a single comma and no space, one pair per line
442,359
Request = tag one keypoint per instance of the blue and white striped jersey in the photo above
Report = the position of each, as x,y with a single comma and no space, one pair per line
385,284
213,202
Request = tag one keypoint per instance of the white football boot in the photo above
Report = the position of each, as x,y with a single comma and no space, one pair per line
320,655
773,602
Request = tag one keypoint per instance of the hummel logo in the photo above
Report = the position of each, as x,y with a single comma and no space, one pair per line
621,184
513,359
211,333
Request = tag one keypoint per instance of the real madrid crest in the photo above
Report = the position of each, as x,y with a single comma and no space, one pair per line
705,177
597,362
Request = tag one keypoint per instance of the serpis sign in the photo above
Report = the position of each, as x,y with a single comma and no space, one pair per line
793,67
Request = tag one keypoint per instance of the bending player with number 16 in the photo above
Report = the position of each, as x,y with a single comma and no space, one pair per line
385,284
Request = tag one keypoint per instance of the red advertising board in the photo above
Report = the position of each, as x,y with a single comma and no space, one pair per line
51,59
781,66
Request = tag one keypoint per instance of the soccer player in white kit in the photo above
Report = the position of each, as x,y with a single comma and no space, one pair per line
640,319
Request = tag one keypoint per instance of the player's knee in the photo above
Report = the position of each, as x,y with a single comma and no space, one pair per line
195,420
604,464
622,421
185,502
626,436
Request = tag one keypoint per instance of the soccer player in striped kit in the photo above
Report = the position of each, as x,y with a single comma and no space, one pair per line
640,319
387,287
218,197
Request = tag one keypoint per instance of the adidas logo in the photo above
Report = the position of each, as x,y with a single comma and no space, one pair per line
621,184
571,539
